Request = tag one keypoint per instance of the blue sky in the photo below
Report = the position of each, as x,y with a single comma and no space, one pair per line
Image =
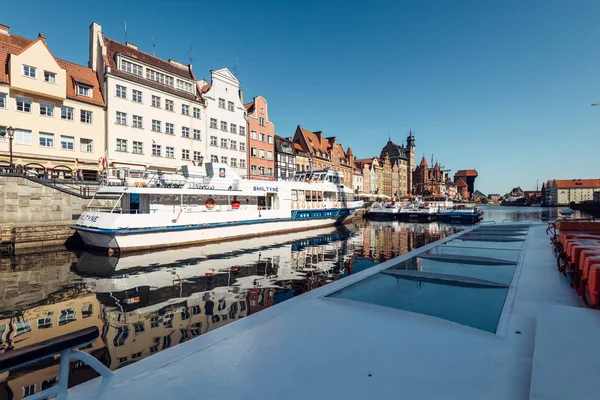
501,86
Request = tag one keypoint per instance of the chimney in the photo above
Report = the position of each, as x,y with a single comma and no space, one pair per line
131,45
319,135
177,64
241,92
42,36
4,29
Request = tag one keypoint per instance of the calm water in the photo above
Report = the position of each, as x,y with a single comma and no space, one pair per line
145,303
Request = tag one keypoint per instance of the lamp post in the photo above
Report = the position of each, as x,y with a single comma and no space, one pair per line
11,134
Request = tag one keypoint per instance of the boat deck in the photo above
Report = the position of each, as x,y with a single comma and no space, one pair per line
354,339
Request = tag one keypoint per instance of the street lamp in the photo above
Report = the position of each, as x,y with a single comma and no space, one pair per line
11,134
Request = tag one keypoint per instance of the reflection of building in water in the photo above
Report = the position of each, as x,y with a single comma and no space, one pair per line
69,311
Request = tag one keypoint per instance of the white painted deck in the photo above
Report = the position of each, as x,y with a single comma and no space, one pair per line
324,348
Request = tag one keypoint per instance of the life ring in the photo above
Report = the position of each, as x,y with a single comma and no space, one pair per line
210,203
271,178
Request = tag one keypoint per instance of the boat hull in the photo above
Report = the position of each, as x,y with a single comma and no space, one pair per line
115,241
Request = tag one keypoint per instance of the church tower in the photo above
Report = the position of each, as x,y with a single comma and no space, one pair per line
410,143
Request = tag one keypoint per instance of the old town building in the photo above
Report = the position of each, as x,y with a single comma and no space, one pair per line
565,191
226,121
261,142
53,109
155,112
285,158
373,175
404,158
468,176
431,181
322,152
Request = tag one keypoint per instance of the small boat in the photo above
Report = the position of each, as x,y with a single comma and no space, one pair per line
461,213
419,212
384,211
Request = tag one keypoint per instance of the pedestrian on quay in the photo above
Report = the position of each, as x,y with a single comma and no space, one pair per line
80,175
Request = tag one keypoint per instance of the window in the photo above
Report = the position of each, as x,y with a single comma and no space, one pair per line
185,86
221,103
138,148
23,137
242,146
253,135
136,96
169,152
223,143
46,109
185,109
185,154
261,121
23,104
156,101
121,92
262,137
155,125
270,139
84,91
136,355
196,112
121,118
87,310
85,116
154,349
223,160
29,71
233,145
121,336
253,170
233,163
67,113
66,316
269,155
242,163
121,145
242,131
3,102
213,123
270,171
262,110
185,131
138,121
169,104
223,126
159,77
169,128
86,145
156,150
233,128
197,156
262,154
28,390
230,105
46,320
49,77
46,139
197,135
213,140
130,67
253,151
214,158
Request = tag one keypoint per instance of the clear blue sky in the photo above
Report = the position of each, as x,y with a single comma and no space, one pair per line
501,86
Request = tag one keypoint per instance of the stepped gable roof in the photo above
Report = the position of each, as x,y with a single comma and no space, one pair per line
75,73
460,182
466,173
577,183
113,48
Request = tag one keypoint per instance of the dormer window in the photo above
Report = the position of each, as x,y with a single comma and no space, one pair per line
84,91
185,86
49,77
29,71
130,67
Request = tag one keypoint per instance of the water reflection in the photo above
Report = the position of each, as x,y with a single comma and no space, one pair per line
145,303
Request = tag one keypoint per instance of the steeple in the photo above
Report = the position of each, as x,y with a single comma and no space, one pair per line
423,162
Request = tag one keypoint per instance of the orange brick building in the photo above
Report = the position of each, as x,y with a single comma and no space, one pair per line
261,140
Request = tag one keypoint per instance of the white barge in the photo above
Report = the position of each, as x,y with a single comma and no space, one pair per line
157,210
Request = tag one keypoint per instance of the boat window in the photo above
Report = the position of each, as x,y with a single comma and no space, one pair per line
314,196
330,196
308,195
301,196
294,195
320,196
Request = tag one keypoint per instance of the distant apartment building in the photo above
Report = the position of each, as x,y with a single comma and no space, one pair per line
261,140
155,113
285,158
565,191
226,115
54,107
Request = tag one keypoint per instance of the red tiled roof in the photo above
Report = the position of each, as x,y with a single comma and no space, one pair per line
13,44
248,106
423,162
298,147
113,48
460,182
466,172
365,160
206,87
577,183
313,142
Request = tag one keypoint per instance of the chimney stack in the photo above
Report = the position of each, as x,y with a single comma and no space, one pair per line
131,45
4,29
42,36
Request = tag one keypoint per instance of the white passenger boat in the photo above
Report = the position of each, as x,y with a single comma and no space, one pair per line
163,210
384,210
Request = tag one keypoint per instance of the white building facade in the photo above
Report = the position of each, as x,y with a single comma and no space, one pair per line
564,192
155,113
226,132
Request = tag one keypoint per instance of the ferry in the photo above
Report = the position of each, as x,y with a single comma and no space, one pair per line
159,210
